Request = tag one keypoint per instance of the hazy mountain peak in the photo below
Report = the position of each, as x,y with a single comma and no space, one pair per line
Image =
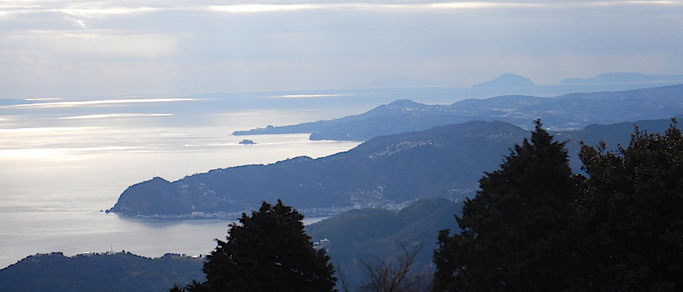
159,179
404,103
507,80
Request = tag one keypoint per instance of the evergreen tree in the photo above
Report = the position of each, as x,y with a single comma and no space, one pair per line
267,251
633,214
516,233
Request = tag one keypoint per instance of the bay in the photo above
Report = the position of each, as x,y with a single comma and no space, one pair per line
60,165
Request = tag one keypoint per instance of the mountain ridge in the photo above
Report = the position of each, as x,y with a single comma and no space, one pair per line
565,112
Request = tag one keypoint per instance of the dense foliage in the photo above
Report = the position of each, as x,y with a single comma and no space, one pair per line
514,232
535,226
267,251
633,214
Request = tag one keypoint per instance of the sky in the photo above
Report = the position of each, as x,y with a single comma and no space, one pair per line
58,48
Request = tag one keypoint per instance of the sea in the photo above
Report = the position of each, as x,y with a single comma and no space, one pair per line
63,161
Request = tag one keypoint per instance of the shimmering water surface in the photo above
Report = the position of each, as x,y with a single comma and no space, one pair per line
61,162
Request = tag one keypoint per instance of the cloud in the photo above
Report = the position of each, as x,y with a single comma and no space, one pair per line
42,99
296,96
165,48
90,42
79,9
113,9
107,116
96,102
103,11
79,23
261,8
428,6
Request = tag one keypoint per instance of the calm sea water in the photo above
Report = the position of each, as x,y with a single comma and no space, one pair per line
62,162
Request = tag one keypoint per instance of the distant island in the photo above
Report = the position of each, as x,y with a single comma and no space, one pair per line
566,112
247,142
508,80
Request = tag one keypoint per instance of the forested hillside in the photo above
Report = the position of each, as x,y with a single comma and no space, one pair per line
445,161
100,272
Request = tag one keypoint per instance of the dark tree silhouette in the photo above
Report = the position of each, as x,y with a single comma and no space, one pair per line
267,251
633,215
516,233
535,226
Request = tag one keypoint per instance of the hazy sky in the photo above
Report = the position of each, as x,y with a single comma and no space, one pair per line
105,48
